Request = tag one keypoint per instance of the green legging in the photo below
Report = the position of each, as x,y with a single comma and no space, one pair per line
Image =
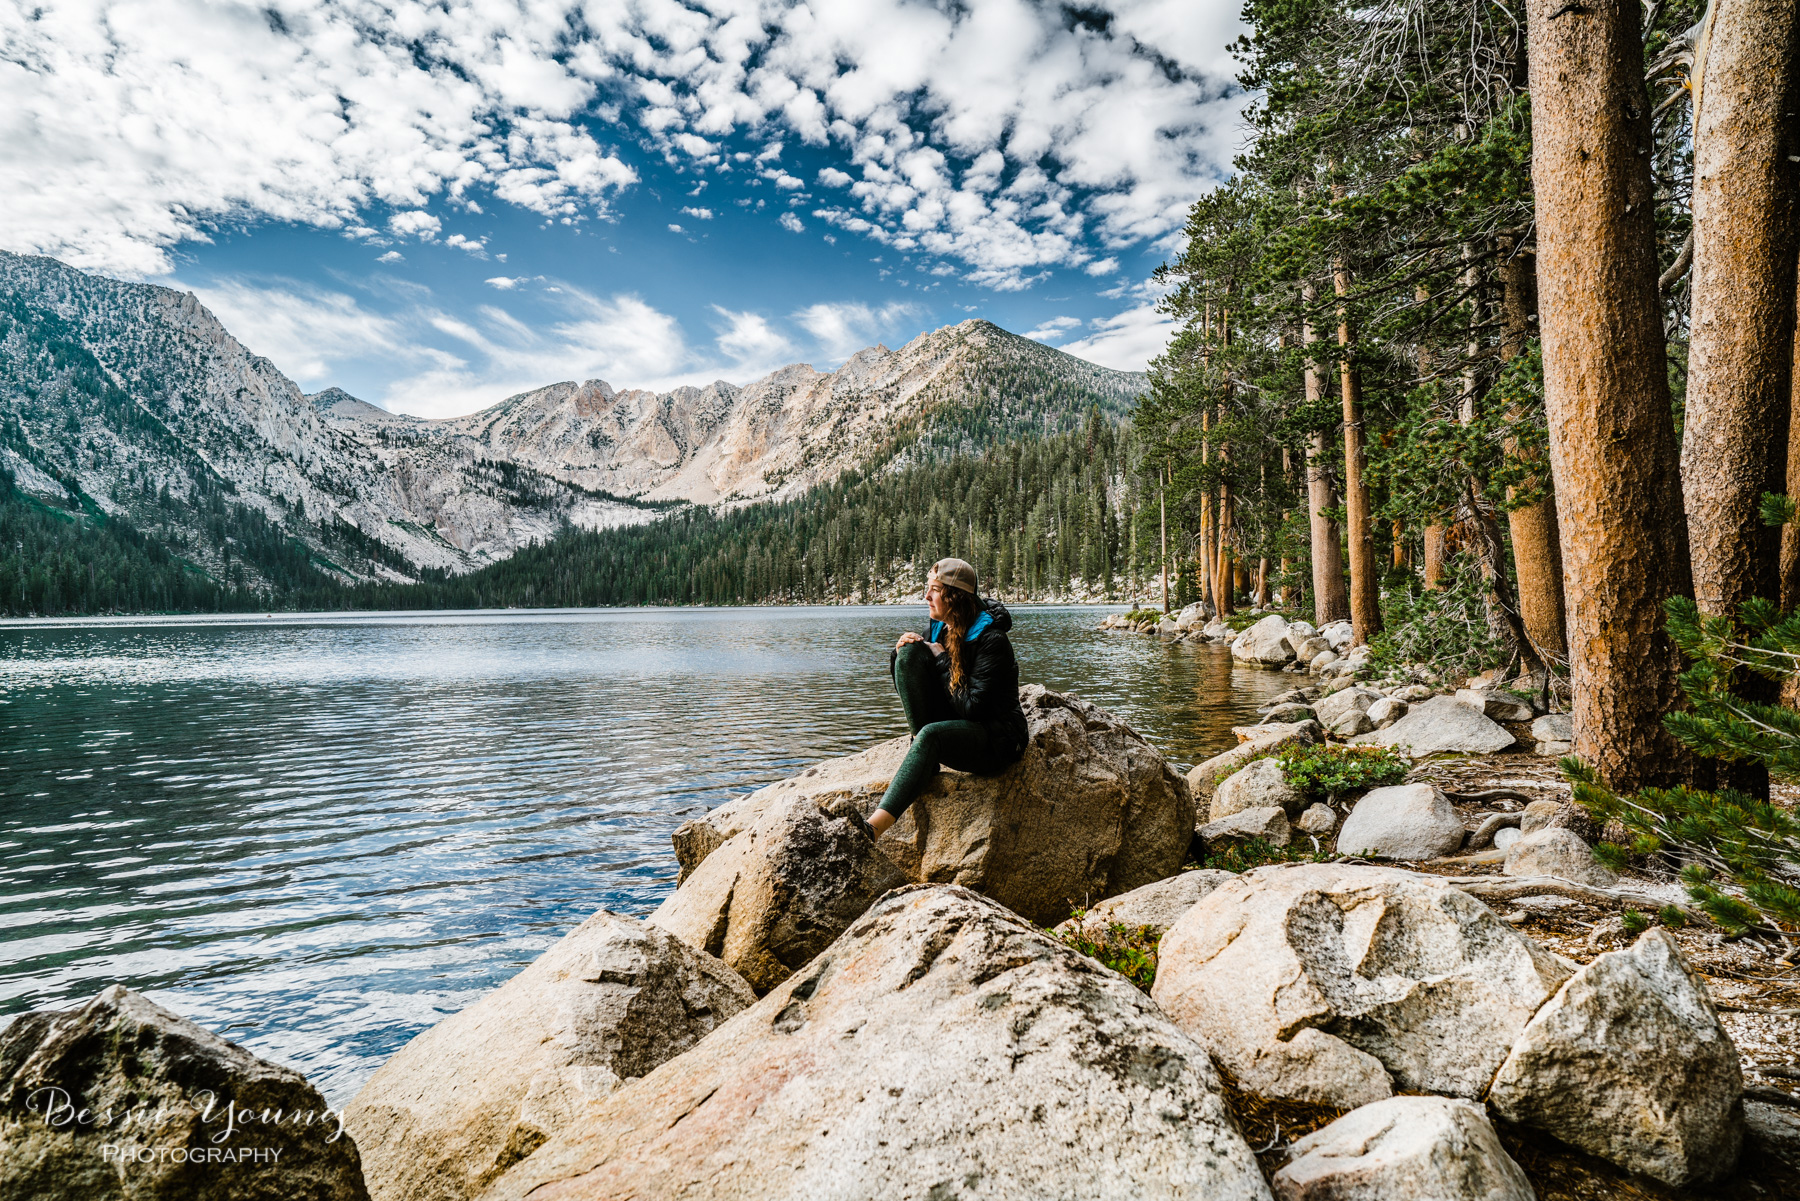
940,738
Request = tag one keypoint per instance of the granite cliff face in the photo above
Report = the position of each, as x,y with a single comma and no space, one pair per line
948,390
133,400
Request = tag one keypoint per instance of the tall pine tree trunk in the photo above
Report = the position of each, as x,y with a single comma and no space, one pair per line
1537,550
1365,589
1434,557
1790,534
1612,437
1740,357
1331,600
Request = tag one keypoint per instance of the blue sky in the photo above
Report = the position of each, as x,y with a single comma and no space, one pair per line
434,206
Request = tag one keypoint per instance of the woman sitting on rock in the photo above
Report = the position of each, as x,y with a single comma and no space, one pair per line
959,688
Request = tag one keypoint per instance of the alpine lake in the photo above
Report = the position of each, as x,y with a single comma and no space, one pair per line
320,834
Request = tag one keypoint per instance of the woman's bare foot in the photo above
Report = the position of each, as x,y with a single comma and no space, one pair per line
880,821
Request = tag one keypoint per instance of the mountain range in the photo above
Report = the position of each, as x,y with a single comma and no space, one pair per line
131,400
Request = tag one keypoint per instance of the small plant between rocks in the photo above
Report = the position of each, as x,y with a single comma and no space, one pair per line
1330,772
1242,857
1127,950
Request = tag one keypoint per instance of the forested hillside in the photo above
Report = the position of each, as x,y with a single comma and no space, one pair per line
1041,517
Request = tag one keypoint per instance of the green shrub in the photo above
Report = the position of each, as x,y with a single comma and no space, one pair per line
1244,619
1335,771
1241,857
1446,629
1127,950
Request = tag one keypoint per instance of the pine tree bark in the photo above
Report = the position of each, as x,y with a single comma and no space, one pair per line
1790,534
1740,357
1612,437
1365,589
1331,599
1537,550
1434,557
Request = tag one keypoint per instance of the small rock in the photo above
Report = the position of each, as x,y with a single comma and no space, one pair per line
1319,662
1412,694
1404,1149
1292,696
1385,712
1259,785
1556,852
942,1044
1338,633
1555,750
1505,836
1354,699
1156,906
1305,629
1310,647
1351,724
1774,1130
1217,630
1442,724
1167,627
1554,727
1501,706
167,1083
1629,1062
1269,824
1538,815
1404,821
1341,983
1288,713
1318,819
468,1098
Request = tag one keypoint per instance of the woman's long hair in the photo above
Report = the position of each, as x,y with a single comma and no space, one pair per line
964,610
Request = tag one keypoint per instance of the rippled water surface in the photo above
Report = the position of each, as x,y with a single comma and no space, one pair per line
319,835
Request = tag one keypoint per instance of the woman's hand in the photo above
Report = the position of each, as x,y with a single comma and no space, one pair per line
907,637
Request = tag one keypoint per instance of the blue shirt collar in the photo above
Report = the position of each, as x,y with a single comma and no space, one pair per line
981,623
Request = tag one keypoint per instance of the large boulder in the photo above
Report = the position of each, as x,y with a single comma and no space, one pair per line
1341,984
479,1091
121,1100
1441,723
1556,851
1257,785
775,895
1154,907
1203,779
1629,1062
1091,811
942,1047
1404,1149
1264,644
1338,633
1410,822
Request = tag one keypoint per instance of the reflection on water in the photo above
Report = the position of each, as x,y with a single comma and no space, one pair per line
320,835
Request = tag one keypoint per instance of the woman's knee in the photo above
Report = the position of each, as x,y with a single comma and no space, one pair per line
914,654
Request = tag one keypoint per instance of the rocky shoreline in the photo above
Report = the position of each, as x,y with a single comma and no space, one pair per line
1430,991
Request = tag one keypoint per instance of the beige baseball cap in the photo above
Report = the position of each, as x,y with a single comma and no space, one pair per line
955,573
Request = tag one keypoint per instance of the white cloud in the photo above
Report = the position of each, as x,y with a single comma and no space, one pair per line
840,330
130,126
676,229
792,223
699,214
1126,341
304,331
392,256
1104,266
1056,327
503,283
1005,136
418,224
475,246
749,339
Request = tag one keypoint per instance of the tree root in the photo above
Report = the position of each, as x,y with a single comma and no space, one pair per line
1511,888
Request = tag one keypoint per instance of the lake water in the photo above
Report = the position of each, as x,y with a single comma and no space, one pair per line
318,835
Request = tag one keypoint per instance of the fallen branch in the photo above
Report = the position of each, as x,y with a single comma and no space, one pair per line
1503,888
1767,1013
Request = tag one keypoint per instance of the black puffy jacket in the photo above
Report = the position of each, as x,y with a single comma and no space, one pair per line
990,691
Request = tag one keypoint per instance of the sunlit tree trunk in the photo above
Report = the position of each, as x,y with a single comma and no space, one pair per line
1790,534
1365,590
1537,552
1740,357
1434,556
1612,437
1331,600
